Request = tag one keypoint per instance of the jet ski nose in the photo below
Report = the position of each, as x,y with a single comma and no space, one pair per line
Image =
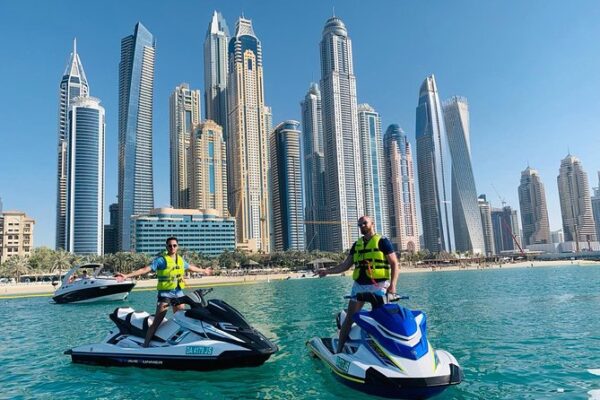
68,352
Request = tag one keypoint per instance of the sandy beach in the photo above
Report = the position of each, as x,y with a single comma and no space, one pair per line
8,291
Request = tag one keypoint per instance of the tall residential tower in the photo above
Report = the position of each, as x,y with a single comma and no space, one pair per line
434,169
85,177
534,212
216,70
136,83
400,185
247,140
314,170
343,166
184,115
73,84
468,234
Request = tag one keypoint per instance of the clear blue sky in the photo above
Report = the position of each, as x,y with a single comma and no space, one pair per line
529,69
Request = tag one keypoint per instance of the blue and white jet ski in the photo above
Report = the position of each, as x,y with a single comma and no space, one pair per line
210,335
388,354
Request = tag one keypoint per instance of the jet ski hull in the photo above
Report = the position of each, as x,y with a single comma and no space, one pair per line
381,380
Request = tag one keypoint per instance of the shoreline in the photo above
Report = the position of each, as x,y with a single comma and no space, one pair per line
24,290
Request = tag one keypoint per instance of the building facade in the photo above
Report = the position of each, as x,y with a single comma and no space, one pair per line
575,201
85,177
595,207
136,84
216,67
505,224
208,169
485,212
247,139
468,233
341,142
534,212
401,195
371,145
315,213
16,235
203,231
73,84
111,231
434,168
287,187
184,115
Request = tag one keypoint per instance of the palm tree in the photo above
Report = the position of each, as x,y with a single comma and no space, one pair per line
62,259
16,266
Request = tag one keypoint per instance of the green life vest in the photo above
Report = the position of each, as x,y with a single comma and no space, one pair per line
369,260
172,276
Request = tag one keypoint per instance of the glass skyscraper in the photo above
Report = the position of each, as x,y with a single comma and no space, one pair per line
314,170
341,142
216,70
468,234
596,207
73,84
400,185
85,177
505,224
184,115
434,169
247,140
575,202
287,187
136,84
371,145
534,212
486,224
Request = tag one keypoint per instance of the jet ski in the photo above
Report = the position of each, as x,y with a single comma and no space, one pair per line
75,288
209,335
388,354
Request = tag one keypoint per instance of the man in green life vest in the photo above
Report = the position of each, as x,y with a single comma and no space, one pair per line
170,270
376,271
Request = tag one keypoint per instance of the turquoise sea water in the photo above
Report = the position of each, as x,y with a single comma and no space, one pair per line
519,334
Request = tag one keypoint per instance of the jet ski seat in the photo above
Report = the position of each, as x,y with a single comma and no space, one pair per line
135,323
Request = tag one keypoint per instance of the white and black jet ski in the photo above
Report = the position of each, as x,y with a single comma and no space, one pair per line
388,354
210,335
96,287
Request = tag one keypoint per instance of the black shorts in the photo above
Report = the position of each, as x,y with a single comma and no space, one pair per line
172,301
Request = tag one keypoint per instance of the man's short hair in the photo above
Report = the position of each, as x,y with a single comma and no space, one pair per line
172,238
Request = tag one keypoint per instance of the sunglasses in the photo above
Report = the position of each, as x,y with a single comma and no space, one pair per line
362,223
172,246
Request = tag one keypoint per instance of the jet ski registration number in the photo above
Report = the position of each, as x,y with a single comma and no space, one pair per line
199,350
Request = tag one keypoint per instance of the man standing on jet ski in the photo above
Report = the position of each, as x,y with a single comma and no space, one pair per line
376,271
170,270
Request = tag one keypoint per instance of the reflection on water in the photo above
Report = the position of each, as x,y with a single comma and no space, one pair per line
522,333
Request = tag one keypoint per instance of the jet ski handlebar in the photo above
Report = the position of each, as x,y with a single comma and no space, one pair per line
196,298
376,300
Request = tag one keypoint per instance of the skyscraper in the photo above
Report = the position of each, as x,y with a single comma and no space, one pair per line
136,83
486,225
575,202
468,234
371,145
595,207
505,223
73,84
534,212
400,184
216,71
314,170
247,140
111,230
434,169
343,167
184,115
208,169
287,187
85,177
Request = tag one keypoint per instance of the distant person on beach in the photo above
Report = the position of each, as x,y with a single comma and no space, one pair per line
170,269
376,271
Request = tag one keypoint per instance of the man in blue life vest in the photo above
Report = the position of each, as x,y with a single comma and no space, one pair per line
376,271
170,270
